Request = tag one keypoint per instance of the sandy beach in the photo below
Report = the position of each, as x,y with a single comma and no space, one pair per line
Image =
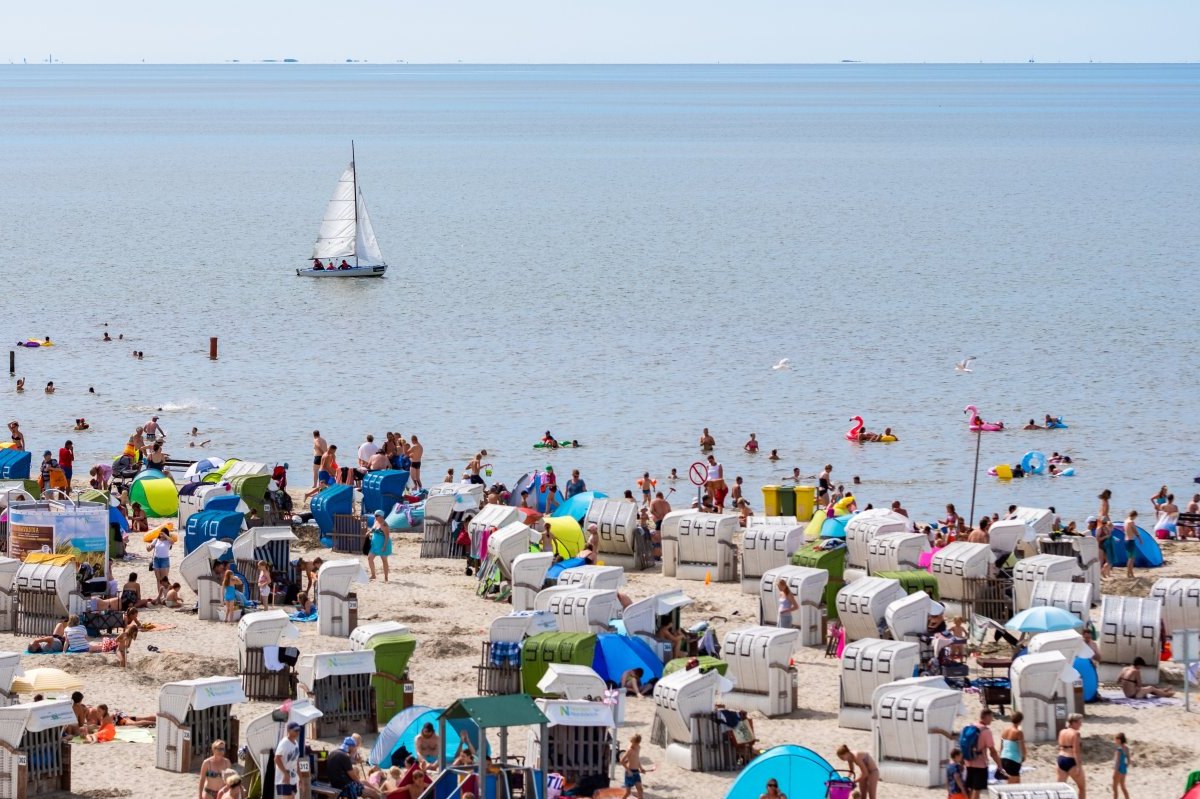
438,602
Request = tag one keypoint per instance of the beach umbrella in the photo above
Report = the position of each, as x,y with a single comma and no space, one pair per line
577,506
1043,619
45,681
195,473
617,654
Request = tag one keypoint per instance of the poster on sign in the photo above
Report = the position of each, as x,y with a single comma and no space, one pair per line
77,529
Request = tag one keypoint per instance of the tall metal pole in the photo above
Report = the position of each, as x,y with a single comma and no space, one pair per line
975,474
354,178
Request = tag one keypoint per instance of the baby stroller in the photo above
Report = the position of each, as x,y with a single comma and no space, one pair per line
123,471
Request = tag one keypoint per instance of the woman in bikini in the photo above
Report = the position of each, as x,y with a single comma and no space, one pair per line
863,770
1070,753
212,771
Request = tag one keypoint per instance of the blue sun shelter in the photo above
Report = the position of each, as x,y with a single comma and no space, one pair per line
1147,554
397,739
800,772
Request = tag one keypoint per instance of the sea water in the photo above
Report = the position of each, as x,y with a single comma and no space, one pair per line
619,254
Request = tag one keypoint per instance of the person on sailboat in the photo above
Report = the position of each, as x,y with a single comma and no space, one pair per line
317,265
343,264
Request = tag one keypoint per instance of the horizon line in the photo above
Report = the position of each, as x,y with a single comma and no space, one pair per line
291,62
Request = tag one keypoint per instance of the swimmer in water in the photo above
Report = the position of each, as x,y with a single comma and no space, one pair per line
673,476
774,455
81,424
1033,425
550,441
575,443
106,336
91,389
20,385
50,387
203,443
195,432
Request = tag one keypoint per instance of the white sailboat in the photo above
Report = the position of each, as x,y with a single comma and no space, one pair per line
346,245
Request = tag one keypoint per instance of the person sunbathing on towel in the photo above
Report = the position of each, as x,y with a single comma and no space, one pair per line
1130,681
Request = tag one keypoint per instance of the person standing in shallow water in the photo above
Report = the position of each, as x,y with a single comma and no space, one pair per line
707,442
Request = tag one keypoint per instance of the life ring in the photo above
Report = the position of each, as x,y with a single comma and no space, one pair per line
887,439
1056,424
1034,462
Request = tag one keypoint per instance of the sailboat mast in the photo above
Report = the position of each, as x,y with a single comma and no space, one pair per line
354,178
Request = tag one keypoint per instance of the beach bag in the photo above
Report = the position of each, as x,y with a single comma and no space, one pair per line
366,544
464,538
968,742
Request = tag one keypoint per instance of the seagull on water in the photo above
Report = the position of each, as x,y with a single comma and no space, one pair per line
964,366
784,363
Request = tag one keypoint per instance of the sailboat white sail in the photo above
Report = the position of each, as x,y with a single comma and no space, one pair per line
346,245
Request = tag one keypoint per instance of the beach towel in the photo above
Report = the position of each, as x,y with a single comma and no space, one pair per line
271,658
297,616
1118,698
505,653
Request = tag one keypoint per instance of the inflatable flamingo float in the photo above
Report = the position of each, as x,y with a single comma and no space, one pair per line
852,433
857,435
977,422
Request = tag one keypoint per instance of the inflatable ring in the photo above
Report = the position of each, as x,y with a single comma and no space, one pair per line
1001,470
168,528
1034,462
1056,424
1067,472
886,439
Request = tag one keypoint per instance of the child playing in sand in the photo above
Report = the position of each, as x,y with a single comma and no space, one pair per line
632,761
172,600
1120,765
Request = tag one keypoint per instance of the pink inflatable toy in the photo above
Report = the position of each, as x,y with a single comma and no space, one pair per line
852,433
977,422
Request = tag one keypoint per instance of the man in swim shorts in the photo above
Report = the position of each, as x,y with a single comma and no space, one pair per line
319,448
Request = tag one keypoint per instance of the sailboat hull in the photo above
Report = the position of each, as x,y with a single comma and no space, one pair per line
354,271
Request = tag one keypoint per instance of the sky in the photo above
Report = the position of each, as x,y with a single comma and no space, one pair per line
600,31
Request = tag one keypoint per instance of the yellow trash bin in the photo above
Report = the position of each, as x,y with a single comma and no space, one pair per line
771,500
806,500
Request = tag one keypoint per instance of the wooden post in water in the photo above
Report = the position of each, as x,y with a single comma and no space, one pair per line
212,348
12,362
